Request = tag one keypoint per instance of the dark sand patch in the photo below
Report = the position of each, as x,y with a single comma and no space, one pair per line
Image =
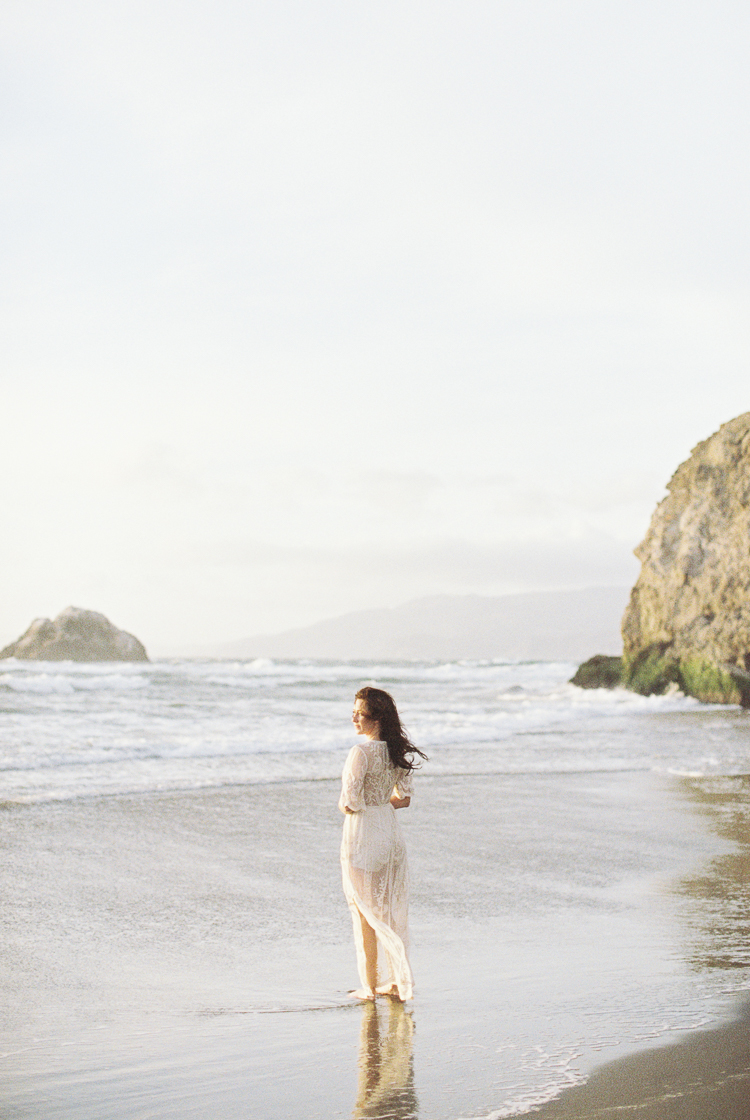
704,1077
707,1075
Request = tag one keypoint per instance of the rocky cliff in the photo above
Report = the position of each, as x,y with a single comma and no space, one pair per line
75,635
688,619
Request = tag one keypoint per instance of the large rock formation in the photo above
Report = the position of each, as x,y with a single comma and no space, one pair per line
688,619
75,635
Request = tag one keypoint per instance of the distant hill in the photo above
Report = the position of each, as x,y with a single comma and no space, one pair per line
537,626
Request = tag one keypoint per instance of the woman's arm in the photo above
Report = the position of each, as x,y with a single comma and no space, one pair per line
352,782
399,802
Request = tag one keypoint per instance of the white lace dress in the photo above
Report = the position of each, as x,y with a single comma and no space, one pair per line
373,857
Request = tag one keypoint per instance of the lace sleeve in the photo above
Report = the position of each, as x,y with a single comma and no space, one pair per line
352,781
405,783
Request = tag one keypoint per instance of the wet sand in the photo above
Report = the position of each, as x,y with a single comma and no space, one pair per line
705,1077
188,955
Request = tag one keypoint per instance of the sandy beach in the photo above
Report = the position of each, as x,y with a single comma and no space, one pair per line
577,940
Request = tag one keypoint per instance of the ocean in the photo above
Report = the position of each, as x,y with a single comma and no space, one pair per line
175,939
76,730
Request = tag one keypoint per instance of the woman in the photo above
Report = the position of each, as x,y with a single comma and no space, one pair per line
377,779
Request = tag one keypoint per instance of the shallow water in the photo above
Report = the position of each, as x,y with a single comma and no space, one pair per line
175,938
188,953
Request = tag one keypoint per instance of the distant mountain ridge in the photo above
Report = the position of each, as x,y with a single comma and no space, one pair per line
534,626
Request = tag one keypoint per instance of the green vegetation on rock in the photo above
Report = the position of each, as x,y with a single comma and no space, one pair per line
655,671
708,682
599,671
651,671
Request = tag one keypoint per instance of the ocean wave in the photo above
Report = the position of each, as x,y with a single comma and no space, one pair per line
37,683
116,725
68,683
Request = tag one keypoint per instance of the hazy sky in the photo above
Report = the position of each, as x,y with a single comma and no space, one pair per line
314,306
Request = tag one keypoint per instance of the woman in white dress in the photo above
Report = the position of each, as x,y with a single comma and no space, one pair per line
377,779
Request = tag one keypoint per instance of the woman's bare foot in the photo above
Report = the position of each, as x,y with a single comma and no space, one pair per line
388,990
362,993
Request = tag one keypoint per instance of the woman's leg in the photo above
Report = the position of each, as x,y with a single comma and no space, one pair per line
370,944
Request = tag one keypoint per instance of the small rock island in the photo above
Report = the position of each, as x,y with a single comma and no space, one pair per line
687,624
75,635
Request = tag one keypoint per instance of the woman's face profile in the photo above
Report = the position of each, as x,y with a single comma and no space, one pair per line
361,720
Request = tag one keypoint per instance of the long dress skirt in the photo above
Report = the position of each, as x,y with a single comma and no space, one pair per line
376,885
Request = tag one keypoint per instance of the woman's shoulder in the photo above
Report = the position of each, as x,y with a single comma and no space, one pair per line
375,750
357,761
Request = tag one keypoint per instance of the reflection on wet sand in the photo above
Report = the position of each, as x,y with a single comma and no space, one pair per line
718,899
386,1069
706,1076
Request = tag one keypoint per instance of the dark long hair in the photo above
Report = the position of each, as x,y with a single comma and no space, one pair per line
380,707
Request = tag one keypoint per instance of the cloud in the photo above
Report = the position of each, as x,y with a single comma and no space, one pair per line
447,566
307,308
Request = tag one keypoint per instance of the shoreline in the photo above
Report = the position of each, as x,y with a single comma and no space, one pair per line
704,1076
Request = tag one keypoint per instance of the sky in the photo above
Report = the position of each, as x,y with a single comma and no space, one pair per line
313,307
